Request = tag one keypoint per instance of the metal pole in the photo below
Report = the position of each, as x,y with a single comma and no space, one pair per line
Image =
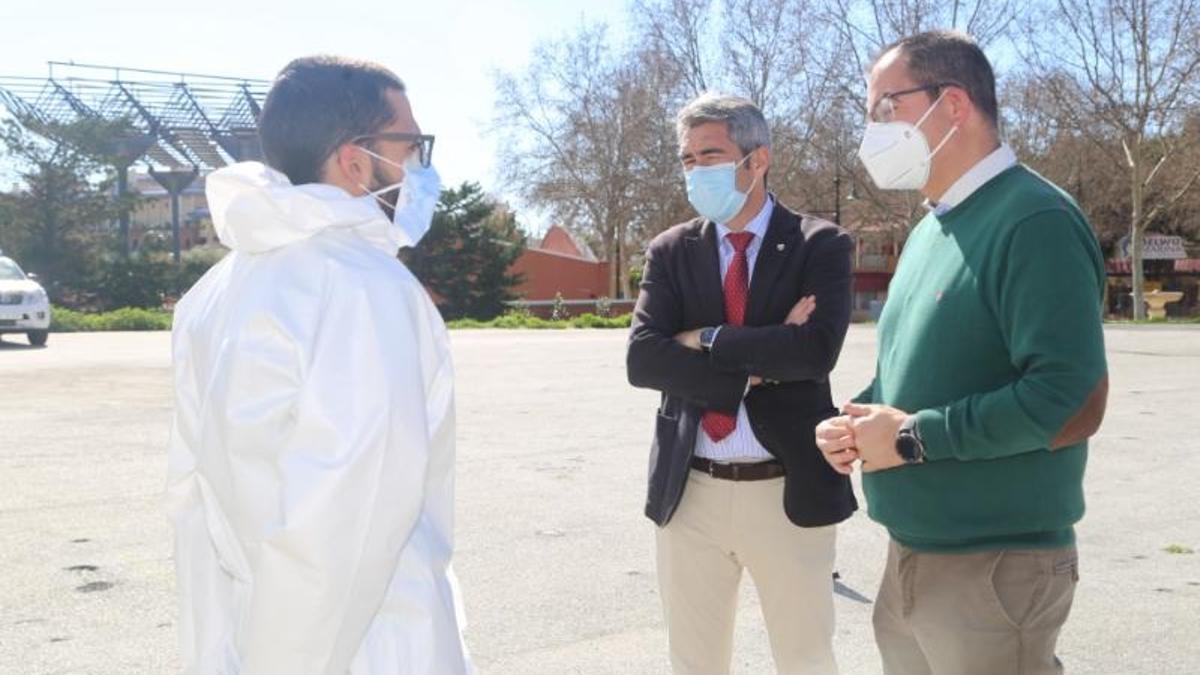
175,251
122,191
837,196
175,182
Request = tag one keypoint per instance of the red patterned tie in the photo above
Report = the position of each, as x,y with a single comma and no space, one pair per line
718,425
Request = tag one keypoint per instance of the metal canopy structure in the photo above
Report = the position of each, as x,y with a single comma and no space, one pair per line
180,124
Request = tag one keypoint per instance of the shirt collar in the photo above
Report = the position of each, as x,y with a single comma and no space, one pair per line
1000,160
757,225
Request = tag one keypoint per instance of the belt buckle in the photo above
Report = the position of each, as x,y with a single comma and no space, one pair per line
712,470
735,471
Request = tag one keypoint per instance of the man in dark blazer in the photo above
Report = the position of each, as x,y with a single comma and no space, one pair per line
740,319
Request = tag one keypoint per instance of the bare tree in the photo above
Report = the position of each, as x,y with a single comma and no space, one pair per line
778,54
589,126
1077,158
661,198
766,45
581,128
678,31
867,26
1132,69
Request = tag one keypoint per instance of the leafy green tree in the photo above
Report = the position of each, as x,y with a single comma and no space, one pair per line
52,223
465,258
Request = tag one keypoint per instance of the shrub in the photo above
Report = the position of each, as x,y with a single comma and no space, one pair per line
139,319
64,320
523,320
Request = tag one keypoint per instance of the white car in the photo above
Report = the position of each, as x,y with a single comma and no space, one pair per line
24,306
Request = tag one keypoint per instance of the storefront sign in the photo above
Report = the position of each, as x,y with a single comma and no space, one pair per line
1156,247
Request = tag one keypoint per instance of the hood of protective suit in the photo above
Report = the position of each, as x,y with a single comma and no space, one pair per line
257,209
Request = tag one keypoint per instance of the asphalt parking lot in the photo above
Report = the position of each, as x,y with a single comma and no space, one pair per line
555,559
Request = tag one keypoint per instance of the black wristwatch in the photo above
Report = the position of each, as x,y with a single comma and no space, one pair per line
908,442
707,335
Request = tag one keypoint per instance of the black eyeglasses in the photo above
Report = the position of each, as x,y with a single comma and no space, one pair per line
885,108
422,142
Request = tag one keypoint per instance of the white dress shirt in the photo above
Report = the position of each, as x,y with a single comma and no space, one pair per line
741,445
1000,160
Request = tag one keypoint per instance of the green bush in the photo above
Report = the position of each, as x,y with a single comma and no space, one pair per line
63,320
135,318
594,321
524,320
139,281
507,321
1124,321
148,279
138,319
125,319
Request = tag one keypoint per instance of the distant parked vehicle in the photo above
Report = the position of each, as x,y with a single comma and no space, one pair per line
24,305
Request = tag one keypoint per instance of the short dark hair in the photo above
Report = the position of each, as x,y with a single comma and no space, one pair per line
951,56
316,104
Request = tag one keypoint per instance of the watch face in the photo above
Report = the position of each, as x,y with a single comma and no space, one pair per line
906,445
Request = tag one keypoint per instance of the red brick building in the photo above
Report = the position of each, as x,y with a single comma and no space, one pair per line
559,264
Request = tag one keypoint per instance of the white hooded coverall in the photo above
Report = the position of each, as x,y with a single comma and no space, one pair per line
311,460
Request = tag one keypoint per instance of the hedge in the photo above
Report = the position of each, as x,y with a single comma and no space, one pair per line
136,319
521,320
127,318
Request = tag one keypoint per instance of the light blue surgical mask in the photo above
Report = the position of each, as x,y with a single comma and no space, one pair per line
712,191
412,212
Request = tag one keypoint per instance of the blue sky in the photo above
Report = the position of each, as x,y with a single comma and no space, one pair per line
445,50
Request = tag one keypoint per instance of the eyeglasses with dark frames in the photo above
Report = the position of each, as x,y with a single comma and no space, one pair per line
885,108
422,142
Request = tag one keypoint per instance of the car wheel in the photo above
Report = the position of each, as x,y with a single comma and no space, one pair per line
37,338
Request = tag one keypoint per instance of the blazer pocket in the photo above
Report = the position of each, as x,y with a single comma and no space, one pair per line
665,432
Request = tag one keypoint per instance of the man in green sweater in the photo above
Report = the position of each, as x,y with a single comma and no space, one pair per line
990,378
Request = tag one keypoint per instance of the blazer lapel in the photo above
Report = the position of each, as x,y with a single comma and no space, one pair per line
777,247
704,265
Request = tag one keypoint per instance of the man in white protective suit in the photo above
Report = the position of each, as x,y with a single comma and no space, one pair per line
312,457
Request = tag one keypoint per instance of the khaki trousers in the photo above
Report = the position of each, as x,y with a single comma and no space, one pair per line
990,613
720,528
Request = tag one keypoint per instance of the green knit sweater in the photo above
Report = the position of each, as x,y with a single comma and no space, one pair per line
992,336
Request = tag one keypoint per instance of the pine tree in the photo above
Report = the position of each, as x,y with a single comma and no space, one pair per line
465,258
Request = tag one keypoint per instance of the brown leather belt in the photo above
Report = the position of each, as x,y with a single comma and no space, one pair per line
748,471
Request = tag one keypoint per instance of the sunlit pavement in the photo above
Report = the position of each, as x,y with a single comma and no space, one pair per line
554,556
